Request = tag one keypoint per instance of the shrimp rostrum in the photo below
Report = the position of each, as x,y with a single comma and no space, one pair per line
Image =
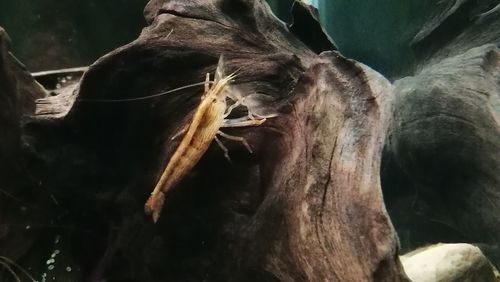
210,116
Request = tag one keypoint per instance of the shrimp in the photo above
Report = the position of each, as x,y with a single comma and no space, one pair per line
210,116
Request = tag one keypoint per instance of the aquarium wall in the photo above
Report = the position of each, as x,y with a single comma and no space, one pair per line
376,32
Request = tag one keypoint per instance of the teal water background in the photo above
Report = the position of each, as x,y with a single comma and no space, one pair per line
377,33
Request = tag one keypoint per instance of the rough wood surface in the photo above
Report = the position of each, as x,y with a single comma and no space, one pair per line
322,189
445,141
18,91
306,206
442,157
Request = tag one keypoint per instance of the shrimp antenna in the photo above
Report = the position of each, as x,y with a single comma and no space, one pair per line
219,74
146,97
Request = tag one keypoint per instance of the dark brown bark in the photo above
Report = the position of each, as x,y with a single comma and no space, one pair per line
306,206
445,141
18,93
323,207
440,170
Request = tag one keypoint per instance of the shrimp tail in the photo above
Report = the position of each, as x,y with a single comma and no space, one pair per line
154,205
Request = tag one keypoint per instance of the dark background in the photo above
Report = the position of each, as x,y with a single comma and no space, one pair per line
50,34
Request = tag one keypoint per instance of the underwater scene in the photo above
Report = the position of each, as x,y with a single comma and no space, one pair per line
249,140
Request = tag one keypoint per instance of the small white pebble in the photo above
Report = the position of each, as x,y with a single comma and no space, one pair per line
51,261
28,227
57,252
68,269
51,267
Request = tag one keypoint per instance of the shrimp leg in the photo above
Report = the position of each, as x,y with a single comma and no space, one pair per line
242,122
224,148
231,108
236,138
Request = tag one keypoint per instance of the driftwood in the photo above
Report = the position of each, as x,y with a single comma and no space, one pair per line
440,170
444,145
306,206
